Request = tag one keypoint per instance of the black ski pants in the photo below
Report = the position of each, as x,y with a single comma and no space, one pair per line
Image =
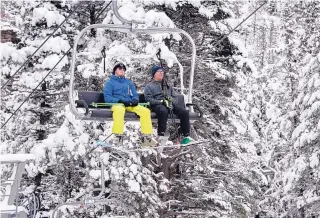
163,113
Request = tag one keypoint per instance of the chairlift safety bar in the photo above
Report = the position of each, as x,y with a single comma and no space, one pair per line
111,104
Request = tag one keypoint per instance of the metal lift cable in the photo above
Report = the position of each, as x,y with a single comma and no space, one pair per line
239,24
35,89
30,56
37,85
102,10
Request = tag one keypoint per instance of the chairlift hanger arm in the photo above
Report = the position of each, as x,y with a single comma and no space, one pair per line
122,19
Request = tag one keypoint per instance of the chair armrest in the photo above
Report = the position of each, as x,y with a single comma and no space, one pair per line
197,107
84,104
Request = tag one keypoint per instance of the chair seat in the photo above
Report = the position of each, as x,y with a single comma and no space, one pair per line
106,115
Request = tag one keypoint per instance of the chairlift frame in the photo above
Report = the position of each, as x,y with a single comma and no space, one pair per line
12,186
133,26
98,200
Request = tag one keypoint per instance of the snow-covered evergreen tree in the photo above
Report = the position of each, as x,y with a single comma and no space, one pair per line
259,89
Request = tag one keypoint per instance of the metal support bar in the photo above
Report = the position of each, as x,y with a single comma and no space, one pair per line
11,194
122,19
103,188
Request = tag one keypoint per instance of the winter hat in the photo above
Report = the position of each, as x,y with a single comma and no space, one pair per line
118,64
155,69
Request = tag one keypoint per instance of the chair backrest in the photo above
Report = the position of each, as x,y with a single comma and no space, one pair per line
97,97
91,96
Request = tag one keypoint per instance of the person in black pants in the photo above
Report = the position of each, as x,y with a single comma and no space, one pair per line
162,99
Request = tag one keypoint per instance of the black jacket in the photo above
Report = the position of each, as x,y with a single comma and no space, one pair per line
153,93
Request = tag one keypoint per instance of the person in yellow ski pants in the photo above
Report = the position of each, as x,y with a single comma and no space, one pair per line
118,118
122,91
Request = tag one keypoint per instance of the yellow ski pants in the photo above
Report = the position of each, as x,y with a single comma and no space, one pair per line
118,112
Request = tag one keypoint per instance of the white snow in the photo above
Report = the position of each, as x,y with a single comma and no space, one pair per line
134,186
240,45
208,12
254,134
134,169
70,144
239,127
56,44
314,160
6,51
50,61
62,135
96,174
213,25
38,14
130,12
81,150
298,130
159,19
53,17
87,70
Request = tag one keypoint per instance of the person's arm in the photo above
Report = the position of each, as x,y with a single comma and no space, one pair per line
149,96
133,91
107,93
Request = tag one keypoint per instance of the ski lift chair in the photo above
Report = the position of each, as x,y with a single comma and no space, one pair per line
85,99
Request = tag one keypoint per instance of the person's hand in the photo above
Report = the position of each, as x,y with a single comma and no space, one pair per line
165,103
125,103
134,102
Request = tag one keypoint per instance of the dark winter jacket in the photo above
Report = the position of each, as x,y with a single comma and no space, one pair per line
153,93
119,88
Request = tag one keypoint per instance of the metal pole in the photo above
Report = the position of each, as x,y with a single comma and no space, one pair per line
122,19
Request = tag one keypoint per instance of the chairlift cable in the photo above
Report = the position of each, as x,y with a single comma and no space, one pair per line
218,42
29,57
35,88
102,10
43,78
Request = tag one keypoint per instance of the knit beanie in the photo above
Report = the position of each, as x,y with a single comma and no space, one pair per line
118,64
155,69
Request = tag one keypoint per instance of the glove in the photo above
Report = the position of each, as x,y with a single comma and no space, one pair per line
126,103
134,102
165,103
